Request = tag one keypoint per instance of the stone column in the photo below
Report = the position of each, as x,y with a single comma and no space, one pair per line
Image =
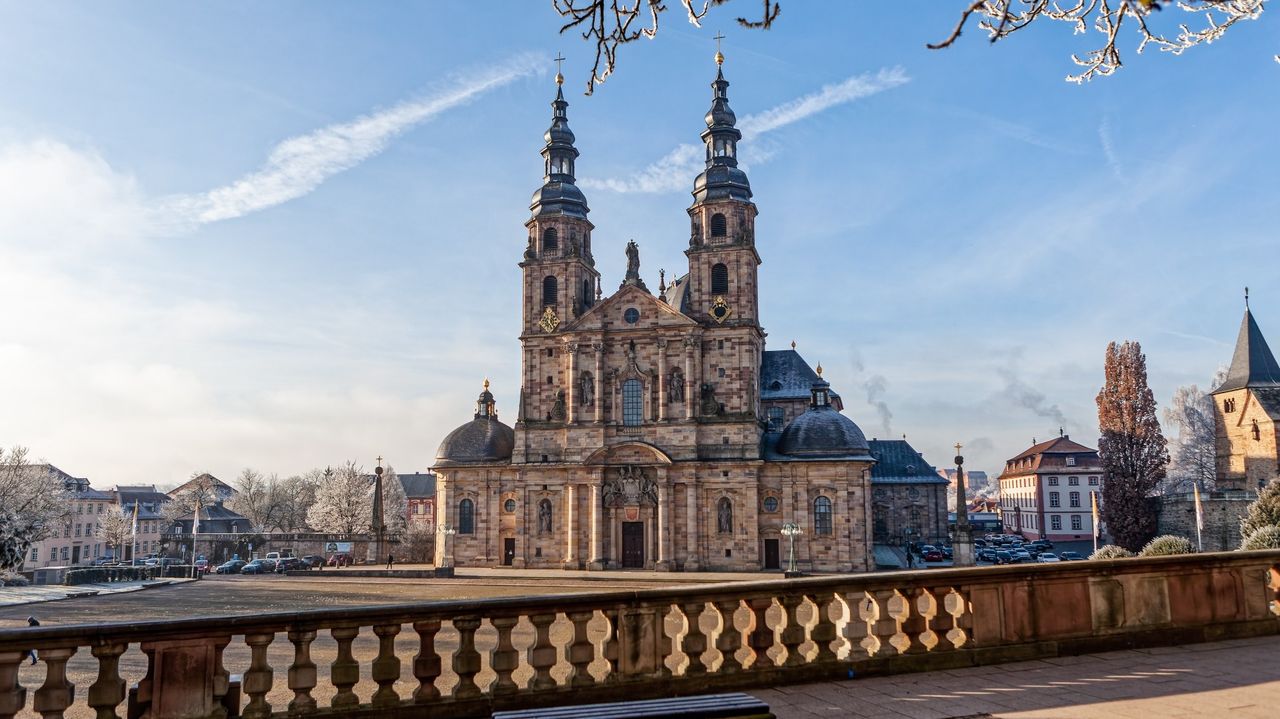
571,393
689,381
662,380
599,378
596,562
444,514
692,563
664,523
570,529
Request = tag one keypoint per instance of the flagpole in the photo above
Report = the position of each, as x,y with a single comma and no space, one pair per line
133,555
1199,520
1093,500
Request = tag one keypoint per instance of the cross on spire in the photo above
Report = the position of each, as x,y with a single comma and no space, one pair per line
559,59
719,55
958,446
379,460
1246,298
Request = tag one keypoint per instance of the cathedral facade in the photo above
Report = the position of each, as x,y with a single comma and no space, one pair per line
654,430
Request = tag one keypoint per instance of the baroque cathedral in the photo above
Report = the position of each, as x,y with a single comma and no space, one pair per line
655,430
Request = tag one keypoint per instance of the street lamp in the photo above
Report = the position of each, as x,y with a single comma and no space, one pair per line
790,530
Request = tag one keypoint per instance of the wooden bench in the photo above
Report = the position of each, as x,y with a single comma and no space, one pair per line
710,706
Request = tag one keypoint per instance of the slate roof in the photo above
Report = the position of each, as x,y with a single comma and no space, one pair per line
1050,457
677,294
214,518
1269,398
897,462
219,487
1252,365
146,493
418,485
770,453
785,375
822,432
1057,445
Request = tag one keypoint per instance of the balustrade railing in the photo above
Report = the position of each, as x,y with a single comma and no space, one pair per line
469,658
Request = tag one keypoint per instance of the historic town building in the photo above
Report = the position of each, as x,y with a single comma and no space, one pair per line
654,430
1044,492
909,497
1247,412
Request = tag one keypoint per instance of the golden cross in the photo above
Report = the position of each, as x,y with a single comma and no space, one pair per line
958,445
559,58
379,460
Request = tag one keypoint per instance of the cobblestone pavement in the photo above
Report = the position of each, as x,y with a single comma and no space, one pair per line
1238,678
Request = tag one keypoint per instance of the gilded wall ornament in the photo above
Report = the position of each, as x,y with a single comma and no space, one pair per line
549,321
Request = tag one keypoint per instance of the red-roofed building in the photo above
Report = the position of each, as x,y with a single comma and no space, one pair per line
1044,492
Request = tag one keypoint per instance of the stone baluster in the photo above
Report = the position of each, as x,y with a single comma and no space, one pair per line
542,654
862,637
611,645
761,638
107,692
729,640
426,664
302,672
888,626
345,670
257,681
581,652
958,615
505,659
55,695
466,661
919,626
824,631
13,696
793,633
695,642
386,667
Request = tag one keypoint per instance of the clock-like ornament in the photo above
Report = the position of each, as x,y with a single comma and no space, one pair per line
720,310
549,321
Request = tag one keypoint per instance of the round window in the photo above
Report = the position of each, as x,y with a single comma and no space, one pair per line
632,315
770,504
509,505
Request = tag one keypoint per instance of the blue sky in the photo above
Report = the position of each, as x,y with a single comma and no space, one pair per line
283,235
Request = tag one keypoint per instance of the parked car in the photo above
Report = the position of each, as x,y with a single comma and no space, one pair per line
290,563
1004,557
947,553
986,555
933,555
232,567
340,560
925,549
1048,557
313,561
259,566
1070,556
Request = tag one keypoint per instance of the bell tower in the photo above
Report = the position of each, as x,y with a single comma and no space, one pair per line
722,255
559,272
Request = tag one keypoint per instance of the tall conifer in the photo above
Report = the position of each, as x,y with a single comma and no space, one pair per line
1133,450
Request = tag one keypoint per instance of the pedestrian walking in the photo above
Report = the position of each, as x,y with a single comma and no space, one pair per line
391,561
32,622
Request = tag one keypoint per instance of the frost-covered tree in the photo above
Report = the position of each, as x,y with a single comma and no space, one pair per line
1267,537
1192,452
1111,551
257,499
418,545
344,504
297,494
117,529
1264,511
395,505
1133,450
1166,545
610,24
34,503
197,494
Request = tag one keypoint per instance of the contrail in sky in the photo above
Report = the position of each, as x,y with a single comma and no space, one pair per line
300,164
672,172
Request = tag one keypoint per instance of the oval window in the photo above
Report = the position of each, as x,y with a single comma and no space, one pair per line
632,315
770,504
509,505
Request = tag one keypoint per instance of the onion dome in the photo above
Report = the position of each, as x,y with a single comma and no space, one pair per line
483,439
822,431
722,180
558,195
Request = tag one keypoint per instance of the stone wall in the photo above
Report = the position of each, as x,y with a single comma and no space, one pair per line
1222,514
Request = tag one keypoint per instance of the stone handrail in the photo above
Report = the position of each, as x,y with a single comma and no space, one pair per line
628,644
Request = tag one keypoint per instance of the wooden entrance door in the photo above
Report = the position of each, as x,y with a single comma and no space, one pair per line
633,545
508,551
771,554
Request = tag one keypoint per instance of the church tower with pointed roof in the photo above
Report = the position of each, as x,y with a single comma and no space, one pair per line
1247,412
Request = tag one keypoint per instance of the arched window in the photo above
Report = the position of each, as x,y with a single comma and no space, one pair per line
719,228
724,516
466,517
822,516
550,240
632,402
550,291
586,293
719,279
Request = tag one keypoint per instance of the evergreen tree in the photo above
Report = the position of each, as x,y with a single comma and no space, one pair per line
1133,450
1264,511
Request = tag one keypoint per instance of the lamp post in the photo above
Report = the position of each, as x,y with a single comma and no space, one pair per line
791,530
444,567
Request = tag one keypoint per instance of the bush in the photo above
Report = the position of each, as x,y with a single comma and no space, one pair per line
13,580
1263,538
1166,545
1111,551
1264,512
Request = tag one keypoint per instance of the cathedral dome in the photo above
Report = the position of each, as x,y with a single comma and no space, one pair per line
483,439
822,431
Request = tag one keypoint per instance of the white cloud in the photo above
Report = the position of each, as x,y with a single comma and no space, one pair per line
673,171
300,164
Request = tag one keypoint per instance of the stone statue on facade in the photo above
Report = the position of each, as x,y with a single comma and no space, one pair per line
675,385
544,517
724,518
633,267
587,389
